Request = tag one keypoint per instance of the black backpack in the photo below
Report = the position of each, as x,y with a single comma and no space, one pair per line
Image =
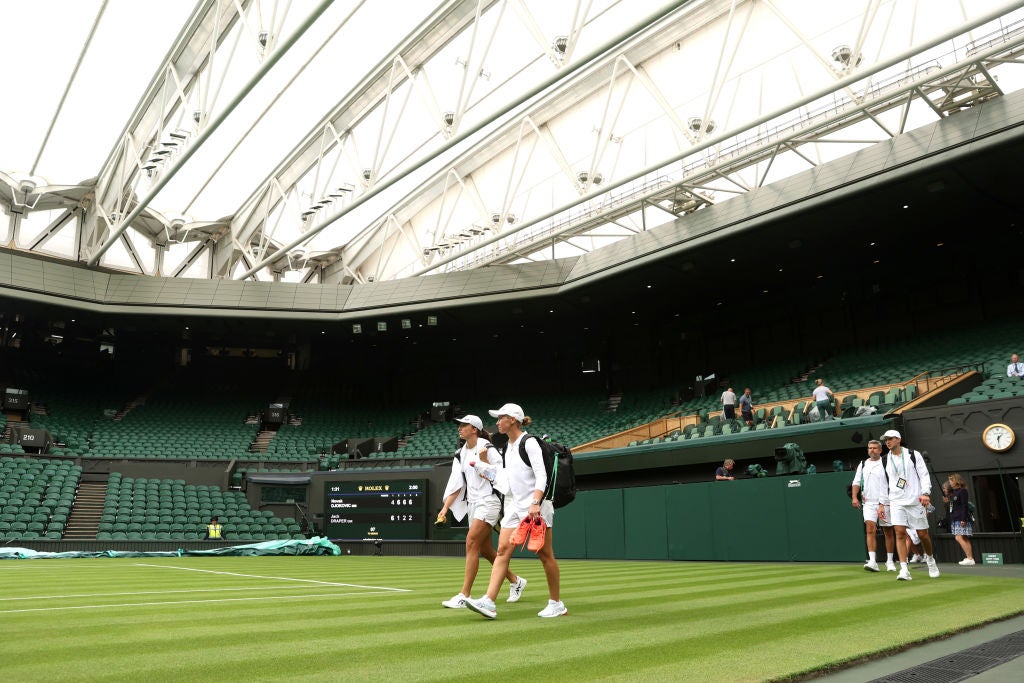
558,464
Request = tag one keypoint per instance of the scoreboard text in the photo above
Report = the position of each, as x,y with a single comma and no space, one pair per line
376,510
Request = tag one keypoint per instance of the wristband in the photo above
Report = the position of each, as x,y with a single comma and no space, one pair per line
534,502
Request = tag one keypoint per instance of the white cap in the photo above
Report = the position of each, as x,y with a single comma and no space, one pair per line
510,409
471,420
892,433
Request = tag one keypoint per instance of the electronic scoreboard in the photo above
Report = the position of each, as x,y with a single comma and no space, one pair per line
370,510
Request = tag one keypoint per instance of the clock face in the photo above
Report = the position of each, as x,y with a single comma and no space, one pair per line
998,437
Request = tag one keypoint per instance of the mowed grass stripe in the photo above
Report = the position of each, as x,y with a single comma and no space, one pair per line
627,621
176,591
205,578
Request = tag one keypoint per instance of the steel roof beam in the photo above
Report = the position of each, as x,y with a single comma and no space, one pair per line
213,125
554,80
716,140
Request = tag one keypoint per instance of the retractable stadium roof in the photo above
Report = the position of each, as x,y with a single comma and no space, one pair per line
339,142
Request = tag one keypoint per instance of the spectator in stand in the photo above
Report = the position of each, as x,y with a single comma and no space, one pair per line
729,404
724,473
1015,369
747,407
822,397
960,523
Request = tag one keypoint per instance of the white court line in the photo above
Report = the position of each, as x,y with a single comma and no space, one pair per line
275,578
167,592
187,602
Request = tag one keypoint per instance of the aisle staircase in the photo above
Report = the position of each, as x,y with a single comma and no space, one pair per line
84,520
262,440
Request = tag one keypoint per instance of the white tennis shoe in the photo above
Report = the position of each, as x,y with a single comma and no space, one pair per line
515,591
458,602
555,608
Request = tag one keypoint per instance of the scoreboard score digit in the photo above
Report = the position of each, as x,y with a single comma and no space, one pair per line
370,510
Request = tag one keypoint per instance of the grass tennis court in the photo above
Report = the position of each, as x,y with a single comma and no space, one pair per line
376,618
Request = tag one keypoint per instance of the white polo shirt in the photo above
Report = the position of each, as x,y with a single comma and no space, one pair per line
523,480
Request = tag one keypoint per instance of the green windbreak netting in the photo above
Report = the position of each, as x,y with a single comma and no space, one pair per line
308,546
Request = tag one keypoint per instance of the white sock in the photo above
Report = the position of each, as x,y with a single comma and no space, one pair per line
903,565
892,558
871,555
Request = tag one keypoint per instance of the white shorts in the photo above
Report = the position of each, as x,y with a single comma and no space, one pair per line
487,510
514,517
912,516
871,514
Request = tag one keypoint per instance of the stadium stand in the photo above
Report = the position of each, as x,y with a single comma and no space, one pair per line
170,422
165,509
36,497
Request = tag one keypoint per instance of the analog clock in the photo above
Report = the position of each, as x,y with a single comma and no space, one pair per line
998,438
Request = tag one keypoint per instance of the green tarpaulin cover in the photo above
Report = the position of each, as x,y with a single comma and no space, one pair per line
309,546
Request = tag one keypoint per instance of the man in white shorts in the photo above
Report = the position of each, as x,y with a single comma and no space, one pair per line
909,495
869,483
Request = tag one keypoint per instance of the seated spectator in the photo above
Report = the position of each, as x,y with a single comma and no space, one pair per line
214,530
1015,369
724,473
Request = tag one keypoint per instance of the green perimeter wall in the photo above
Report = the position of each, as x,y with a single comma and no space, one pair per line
767,520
